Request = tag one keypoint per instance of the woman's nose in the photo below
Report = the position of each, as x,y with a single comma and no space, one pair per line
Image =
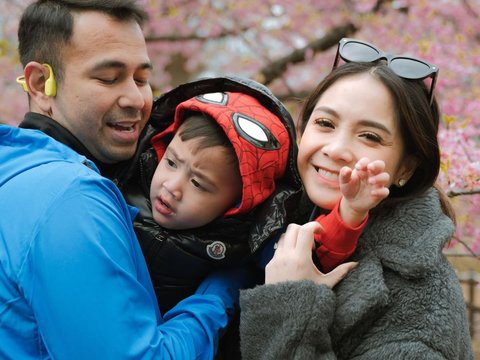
339,148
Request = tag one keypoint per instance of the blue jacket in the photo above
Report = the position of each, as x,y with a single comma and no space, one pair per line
73,281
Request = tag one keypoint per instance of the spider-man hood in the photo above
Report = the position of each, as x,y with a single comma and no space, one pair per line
164,108
259,138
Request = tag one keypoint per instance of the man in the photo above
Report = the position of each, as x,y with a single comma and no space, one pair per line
102,71
73,281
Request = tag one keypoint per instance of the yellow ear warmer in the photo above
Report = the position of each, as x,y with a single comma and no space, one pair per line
50,83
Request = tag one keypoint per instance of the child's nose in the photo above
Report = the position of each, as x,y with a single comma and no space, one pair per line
174,186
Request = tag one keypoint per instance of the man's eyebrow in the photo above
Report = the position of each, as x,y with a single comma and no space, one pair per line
146,66
115,64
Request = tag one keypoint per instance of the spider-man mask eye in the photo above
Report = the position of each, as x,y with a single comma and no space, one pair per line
217,98
254,132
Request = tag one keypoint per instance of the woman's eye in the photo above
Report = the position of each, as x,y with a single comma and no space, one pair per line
372,137
322,122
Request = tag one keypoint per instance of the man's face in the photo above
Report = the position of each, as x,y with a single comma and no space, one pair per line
105,97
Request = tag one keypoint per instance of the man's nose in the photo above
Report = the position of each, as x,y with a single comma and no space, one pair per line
133,95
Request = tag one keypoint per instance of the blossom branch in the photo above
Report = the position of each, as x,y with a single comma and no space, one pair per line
191,37
453,193
276,68
469,249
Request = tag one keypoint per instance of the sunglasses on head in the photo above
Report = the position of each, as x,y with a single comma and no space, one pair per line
351,50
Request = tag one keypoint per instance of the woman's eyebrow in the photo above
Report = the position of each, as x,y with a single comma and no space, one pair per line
375,124
364,122
327,110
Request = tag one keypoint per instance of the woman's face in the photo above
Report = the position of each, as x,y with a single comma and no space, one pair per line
353,118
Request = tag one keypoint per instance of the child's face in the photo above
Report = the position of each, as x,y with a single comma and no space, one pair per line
354,118
191,186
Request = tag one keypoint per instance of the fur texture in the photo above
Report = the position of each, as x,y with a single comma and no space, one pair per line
403,300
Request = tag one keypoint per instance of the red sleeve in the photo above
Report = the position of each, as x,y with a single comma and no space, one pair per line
338,240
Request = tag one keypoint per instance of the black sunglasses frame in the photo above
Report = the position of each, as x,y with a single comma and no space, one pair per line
433,70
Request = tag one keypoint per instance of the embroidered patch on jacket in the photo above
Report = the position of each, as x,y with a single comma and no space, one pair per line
216,250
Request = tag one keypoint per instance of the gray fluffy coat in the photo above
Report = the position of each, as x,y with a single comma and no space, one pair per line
403,301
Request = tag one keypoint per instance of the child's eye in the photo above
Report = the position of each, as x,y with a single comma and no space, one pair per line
197,185
170,163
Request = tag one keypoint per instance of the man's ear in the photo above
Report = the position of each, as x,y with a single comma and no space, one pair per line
38,80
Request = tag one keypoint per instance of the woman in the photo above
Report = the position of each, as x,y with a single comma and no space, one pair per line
403,299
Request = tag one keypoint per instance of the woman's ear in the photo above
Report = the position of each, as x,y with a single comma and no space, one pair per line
408,167
37,77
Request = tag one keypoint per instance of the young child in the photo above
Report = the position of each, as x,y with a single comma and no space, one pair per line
220,159
219,193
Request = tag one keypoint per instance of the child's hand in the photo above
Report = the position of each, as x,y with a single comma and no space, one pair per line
363,188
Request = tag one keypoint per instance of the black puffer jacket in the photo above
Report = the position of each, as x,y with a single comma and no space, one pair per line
179,259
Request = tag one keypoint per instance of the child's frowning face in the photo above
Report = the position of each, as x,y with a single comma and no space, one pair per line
192,187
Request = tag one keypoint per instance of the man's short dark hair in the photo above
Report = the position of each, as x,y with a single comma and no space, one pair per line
46,26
